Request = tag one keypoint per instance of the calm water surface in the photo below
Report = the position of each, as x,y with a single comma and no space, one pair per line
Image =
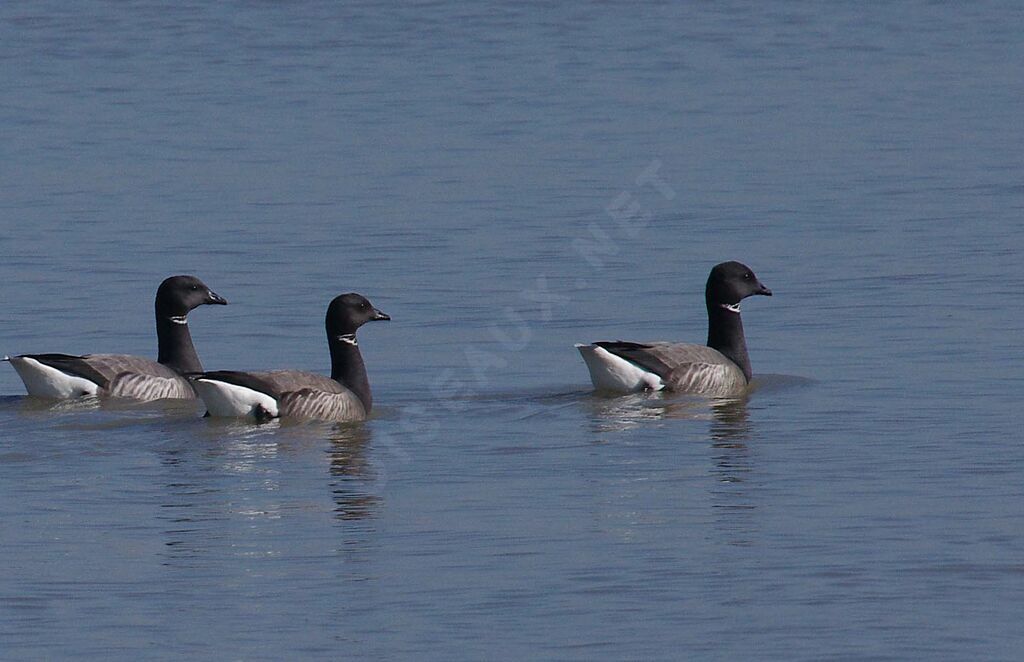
506,180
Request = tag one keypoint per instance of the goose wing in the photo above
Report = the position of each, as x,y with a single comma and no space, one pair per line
270,394
103,368
662,358
684,367
112,365
287,381
78,366
253,381
120,375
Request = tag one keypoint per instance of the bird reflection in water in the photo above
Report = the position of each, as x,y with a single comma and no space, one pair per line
732,498
728,435
729,417
203,481
239,473
352,473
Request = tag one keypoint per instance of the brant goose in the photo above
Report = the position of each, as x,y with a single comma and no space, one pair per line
119,375
722,368
343,397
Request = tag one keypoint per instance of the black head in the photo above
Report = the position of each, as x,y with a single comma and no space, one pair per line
177,295
731,282
348,312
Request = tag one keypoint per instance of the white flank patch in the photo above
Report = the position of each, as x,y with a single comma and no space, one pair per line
46,382
232,401
609,372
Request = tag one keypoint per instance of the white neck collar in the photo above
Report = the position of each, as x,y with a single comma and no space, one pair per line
178,319
731,307
349,338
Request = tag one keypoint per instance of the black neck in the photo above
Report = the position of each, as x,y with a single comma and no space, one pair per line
347,367
175,345
725,333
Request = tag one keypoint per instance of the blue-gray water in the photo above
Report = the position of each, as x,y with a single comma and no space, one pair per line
506,180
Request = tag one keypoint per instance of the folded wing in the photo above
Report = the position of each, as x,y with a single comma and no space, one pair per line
290,393
119,375
683,367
